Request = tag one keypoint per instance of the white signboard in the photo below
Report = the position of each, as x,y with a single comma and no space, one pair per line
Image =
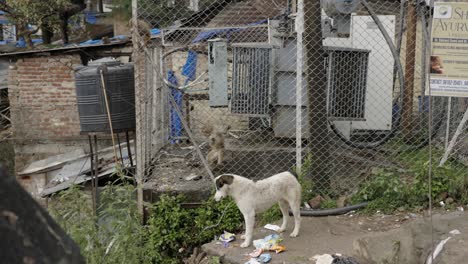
449,58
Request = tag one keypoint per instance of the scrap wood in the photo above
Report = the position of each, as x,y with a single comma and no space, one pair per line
59,161
75,181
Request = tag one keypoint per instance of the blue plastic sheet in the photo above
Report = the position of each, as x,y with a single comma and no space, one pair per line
206,35
91,18
155,31
175,122
190,68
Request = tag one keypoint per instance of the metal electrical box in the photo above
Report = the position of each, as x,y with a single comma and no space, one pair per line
252,77
217,72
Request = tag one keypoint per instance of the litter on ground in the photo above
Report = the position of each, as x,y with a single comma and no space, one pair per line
275,228
333,259
268,242
437,250
227,237
264,258
256,253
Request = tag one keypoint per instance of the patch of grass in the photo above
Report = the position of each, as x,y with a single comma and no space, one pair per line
328,204
269,216
7,156
391,189
214,260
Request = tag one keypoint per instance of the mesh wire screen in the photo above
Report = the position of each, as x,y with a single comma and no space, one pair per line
231,67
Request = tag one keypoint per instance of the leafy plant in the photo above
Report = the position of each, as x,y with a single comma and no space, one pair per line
7,156
269,216
306,183
391,189
115,234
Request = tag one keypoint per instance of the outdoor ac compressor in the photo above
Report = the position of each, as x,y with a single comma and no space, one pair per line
340,12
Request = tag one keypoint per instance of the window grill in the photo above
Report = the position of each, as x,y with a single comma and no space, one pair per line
251,81
347,80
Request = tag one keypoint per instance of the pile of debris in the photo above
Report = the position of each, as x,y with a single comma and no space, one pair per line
63,171
5,125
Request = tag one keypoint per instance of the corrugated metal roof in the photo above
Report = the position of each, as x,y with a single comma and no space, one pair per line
62,49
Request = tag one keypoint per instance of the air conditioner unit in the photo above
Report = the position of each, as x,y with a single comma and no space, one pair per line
259,81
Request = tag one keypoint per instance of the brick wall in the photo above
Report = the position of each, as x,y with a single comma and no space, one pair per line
43,98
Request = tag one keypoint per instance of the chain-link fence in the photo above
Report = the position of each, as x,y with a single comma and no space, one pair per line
263,86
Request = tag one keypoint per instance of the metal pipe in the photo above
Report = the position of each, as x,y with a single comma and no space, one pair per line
91,156
299,64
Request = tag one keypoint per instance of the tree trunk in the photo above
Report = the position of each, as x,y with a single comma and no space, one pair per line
47,34
28,40
64,28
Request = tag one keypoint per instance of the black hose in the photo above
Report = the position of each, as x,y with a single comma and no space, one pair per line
334,211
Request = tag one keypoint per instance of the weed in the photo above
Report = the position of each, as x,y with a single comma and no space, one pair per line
391,189
269,216
115,234
306,183
7,156
328,203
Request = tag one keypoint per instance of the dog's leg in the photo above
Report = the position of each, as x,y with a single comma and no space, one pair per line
295,208
249,218
283,204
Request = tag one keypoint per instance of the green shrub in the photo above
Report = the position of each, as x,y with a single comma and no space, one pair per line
116,235
174,231
391,189
306,183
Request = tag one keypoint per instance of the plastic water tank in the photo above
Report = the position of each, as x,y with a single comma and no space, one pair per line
120,90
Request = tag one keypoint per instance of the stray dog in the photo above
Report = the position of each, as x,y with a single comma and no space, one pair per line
215,156
255,197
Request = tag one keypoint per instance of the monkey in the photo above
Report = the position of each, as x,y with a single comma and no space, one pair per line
144,33
215,156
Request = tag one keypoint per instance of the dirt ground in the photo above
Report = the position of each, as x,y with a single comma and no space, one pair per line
399,238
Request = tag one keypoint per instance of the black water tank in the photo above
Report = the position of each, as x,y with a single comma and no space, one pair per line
120,90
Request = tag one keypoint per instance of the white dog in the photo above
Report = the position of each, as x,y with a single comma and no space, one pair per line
255,197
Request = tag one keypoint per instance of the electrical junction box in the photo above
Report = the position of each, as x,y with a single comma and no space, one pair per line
217,72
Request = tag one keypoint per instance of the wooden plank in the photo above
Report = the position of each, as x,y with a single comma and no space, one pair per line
52,162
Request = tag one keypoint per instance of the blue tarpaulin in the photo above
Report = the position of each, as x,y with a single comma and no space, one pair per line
190,68
206,35
176,124
155,31
22,44
91,18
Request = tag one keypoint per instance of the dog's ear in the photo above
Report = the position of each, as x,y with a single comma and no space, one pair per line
224,179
